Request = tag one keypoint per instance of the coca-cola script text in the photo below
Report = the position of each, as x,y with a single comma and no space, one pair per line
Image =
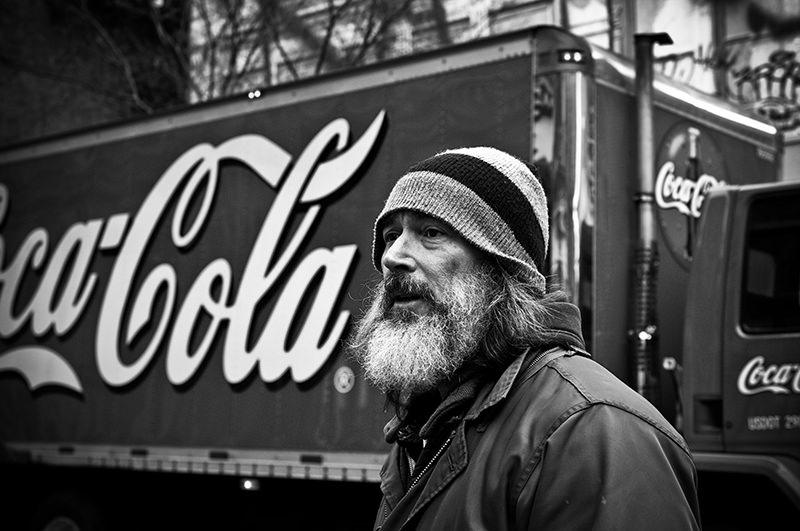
66,283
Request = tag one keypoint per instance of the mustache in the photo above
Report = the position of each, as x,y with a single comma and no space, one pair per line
400,286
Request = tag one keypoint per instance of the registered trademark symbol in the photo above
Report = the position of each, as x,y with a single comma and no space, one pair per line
344,379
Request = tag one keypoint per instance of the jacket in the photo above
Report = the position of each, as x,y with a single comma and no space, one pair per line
556,442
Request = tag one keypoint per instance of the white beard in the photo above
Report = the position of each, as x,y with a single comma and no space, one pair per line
408,354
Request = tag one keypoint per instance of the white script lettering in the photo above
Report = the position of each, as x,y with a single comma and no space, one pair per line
192,179
756,377
685,195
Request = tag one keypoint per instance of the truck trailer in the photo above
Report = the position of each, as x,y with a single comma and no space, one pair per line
176,291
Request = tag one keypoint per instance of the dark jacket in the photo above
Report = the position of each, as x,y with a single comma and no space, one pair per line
557,442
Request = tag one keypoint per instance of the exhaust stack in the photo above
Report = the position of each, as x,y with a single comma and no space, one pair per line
644,334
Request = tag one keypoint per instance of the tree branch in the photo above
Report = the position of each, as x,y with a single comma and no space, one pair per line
333,16
440,16
184,78
119,57
272,18
231,74
209,50
383,26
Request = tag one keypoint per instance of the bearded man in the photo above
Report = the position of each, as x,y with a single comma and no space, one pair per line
502,420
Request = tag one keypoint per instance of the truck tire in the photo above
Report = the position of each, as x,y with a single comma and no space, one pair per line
67,511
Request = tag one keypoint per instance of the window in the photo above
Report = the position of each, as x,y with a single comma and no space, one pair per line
771,283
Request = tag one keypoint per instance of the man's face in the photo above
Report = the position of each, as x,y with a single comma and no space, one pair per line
427,252
430,312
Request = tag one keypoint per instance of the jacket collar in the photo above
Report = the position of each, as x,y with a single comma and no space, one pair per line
455,457
500,389
392,430
564,323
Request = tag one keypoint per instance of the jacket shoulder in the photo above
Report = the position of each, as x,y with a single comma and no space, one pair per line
590,384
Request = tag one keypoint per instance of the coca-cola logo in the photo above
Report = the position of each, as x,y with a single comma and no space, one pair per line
759,377
689,164
681,193
67,284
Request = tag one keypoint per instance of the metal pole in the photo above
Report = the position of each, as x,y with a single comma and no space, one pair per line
645,329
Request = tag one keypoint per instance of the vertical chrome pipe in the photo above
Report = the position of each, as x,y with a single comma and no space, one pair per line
644,334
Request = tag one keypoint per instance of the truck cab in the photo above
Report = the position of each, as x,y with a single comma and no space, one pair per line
741,355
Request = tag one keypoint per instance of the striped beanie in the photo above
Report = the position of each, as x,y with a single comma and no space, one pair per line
491,198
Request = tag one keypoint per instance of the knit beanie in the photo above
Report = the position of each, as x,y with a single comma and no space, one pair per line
494,200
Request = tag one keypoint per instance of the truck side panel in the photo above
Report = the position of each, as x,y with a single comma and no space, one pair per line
722,156
202,404
616,130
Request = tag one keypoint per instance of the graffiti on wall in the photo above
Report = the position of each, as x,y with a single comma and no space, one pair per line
772,88
760,71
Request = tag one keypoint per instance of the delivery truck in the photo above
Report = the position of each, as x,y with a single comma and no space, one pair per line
176,291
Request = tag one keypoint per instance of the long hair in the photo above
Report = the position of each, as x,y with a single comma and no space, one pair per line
519,317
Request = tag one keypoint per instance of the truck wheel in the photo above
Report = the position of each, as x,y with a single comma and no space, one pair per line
61,523
67,511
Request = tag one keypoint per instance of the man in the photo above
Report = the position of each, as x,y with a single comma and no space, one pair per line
503,421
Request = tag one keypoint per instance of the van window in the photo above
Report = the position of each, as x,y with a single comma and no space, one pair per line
771,283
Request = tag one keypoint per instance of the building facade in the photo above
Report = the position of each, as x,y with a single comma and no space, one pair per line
145,56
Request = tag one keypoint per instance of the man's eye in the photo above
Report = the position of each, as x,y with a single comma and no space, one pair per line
390,236
432,232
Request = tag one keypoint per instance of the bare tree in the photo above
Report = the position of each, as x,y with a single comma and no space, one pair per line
162,52
114,59
335,34
236,43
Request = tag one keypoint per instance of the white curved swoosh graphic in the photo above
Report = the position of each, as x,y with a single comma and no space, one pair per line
40,366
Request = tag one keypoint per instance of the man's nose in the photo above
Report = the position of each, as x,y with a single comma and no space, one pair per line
399,256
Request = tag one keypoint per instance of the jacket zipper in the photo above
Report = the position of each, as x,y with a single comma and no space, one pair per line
432,461
538,357
541,355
